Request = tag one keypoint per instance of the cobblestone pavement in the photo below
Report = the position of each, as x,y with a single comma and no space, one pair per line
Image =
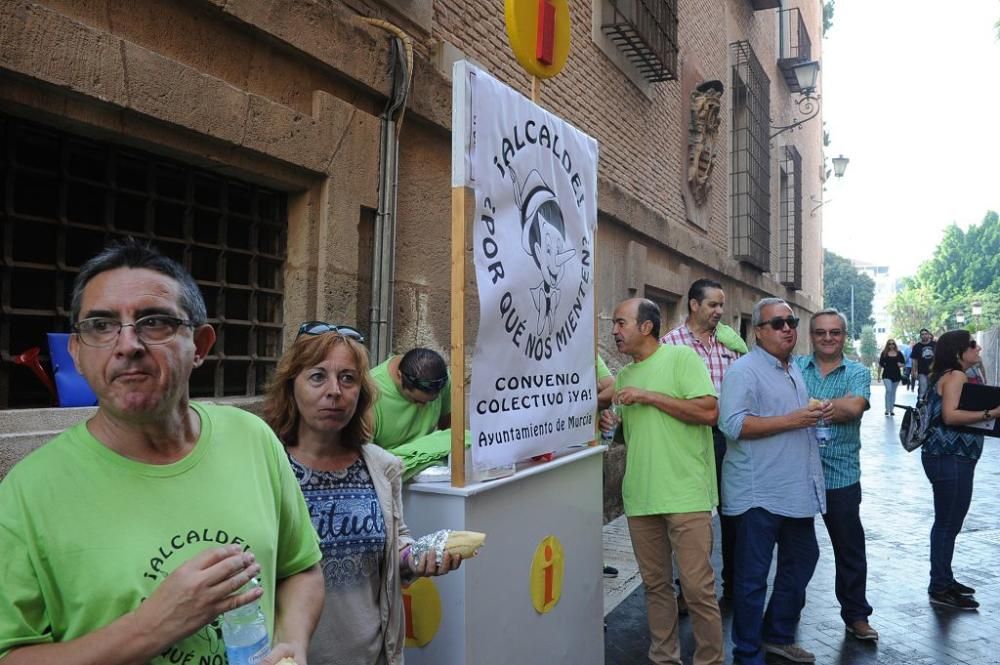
897,512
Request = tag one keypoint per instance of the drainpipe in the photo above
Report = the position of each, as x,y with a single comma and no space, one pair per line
384,233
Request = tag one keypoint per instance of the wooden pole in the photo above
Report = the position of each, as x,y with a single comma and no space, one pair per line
536,89
597,387
460,199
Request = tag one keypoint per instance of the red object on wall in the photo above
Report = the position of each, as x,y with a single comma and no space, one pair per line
546,32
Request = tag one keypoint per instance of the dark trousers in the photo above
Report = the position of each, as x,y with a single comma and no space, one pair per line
727,523
847,535
757,533
951,479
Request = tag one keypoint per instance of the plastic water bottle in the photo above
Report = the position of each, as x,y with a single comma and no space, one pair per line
608,435
244,630
822,432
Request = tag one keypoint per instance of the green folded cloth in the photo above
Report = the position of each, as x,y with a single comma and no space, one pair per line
424,451
730,339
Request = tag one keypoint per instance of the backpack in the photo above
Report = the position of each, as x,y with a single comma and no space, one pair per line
915,428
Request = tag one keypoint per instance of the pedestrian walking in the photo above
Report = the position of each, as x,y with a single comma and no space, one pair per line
891,362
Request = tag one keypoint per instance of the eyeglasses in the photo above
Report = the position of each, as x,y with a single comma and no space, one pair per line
102,332
426,385
321,327
836,332
778,323
972,343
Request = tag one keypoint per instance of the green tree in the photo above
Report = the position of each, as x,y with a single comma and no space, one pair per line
869,346
964,269
828,16
839,275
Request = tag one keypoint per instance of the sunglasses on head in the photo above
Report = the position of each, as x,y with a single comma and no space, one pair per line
321,327
777,323
426,385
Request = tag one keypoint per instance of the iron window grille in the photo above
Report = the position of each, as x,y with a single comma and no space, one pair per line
65,197
750,197
795,46
646,33
790,245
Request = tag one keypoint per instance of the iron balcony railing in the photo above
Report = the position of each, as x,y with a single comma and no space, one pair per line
795,46
646,33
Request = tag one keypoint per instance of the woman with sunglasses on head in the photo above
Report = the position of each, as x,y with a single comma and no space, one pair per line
414,397
949,458
319,404
891,361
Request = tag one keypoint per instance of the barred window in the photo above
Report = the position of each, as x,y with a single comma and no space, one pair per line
790,262
66,197
750,197
645,31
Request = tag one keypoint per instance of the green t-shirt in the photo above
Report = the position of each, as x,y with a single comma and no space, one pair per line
397,419
88,534
669,464
602,369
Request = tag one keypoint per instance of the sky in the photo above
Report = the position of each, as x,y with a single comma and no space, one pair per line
911,94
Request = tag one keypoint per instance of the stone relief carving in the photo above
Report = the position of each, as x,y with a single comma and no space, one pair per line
706,106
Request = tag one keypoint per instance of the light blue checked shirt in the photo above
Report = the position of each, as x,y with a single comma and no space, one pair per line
841,456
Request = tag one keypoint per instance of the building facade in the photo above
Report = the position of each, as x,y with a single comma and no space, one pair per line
246,139
885,291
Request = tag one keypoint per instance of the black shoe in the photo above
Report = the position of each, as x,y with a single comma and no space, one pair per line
951,598
610,571
962,590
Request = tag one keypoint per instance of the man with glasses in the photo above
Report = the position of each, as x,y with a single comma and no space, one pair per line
414,397
773,483
847,386
126,536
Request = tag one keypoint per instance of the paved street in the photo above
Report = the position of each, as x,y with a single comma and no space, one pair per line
897,513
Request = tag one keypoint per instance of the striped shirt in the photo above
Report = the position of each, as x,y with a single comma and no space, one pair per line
717,357
841,456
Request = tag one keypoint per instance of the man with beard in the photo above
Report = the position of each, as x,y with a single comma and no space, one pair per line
921,357
773,483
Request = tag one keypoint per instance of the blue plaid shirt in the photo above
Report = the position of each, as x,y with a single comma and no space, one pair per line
841,456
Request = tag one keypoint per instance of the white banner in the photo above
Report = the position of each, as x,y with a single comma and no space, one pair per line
535,179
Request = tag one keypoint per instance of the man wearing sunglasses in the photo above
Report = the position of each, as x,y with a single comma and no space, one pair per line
414,397
847,386
773,483
125,537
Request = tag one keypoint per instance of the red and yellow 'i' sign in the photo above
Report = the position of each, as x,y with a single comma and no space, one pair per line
539,34
547,574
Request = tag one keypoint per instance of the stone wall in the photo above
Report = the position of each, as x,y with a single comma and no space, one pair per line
288,93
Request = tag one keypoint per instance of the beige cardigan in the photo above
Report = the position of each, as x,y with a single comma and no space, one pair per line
386,471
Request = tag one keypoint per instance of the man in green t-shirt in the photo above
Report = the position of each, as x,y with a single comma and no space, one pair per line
668,405
414,397
126,537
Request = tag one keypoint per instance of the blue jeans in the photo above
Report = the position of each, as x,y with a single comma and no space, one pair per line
847,535
951,479
890,394
757,532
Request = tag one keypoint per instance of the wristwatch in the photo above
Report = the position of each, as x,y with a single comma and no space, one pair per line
986,414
